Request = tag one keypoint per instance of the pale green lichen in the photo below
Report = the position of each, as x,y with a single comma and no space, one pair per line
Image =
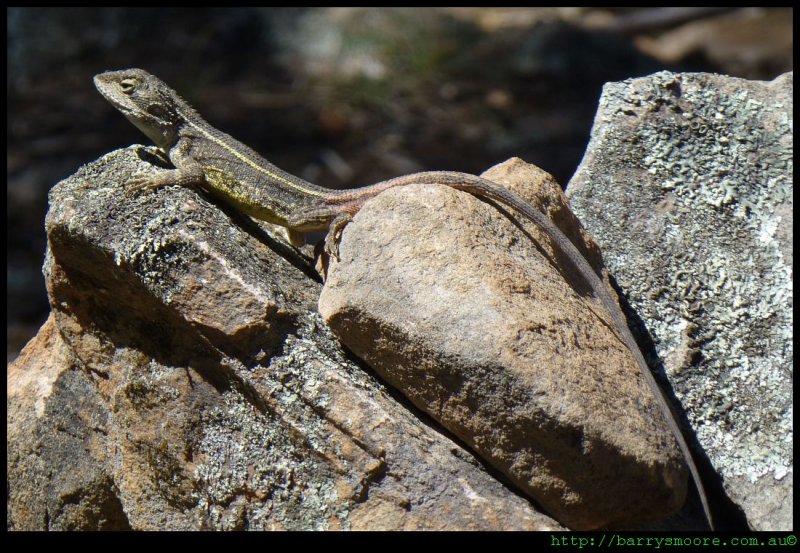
249,452
707,273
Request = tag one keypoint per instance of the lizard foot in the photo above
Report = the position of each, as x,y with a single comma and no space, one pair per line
138,185
335,234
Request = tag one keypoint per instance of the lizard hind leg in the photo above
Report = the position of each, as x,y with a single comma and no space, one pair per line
335,233
320,218
296,238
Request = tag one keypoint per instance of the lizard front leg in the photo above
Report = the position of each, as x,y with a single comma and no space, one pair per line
187,172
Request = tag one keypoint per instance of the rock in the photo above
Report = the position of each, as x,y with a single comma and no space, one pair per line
687,186
47,461
184,381
472,319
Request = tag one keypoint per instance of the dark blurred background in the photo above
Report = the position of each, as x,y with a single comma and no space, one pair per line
344,97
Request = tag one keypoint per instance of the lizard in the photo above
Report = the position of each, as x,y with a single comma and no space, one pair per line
206,157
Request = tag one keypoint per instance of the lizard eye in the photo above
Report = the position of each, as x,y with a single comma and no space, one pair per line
127,85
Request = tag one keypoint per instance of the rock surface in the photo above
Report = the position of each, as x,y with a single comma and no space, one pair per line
185,381
687,185
474,322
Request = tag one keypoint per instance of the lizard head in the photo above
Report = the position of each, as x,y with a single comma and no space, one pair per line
146,101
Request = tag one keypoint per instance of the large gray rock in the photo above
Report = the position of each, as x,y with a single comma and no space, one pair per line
687,186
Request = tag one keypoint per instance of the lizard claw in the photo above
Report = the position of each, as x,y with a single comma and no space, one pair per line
138,185
332,244
143,183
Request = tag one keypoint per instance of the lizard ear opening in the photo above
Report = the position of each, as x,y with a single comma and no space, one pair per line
158,111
